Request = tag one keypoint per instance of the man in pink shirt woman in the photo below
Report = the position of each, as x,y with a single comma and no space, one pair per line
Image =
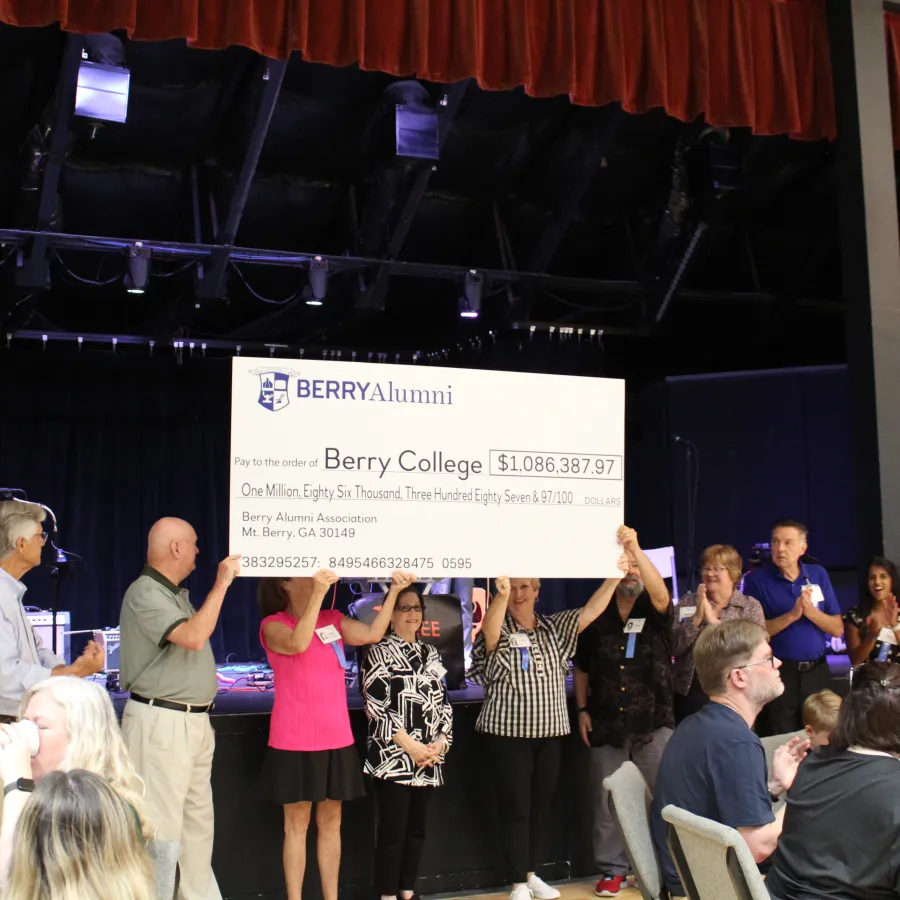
311,757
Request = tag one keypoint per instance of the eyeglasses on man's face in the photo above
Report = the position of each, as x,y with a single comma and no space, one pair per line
406,609
769,659
713,570
42,535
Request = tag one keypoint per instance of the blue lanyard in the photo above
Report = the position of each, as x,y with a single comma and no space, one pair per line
339,653
629,649
525,657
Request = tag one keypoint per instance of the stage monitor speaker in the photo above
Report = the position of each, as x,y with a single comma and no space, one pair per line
442,627
42,623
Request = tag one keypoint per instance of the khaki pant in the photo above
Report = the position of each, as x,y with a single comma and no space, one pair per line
173,751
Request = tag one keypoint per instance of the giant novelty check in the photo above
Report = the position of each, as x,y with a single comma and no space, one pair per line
364,468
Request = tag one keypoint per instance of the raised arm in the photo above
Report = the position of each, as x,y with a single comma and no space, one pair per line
193,633
356,633
653,581
496,613
596,606
288,641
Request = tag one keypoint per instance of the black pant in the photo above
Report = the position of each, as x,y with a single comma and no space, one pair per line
785,713
525,771
402,811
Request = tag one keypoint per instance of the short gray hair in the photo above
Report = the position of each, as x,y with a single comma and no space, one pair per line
17,518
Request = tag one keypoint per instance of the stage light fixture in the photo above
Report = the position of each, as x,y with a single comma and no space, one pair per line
318,280
470,302
138,275
102,92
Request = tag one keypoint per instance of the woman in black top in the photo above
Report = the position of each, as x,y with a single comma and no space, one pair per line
871,628
841,834
410,728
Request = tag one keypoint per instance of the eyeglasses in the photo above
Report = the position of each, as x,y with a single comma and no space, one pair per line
759,662
405,609
42,535
717,570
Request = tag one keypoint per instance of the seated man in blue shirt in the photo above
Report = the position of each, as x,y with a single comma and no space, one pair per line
801,611
714,764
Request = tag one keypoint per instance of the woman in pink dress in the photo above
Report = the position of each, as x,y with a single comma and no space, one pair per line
311,757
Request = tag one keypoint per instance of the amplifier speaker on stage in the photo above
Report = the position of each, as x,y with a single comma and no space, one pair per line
108,639
442,627
42,622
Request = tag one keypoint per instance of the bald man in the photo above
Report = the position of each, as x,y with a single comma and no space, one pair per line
168,665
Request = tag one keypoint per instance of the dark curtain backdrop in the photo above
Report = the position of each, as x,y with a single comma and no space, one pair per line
761,63
113,442
771,444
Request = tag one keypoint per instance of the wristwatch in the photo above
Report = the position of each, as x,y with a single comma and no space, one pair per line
582,709
26,785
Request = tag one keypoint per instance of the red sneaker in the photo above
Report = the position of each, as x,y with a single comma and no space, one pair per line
609,886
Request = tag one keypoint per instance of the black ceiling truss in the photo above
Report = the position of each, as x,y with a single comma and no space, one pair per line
211,277
597,141
34,267
370,297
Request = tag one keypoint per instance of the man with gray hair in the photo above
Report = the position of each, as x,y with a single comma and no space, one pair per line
714,765
624,692
24,661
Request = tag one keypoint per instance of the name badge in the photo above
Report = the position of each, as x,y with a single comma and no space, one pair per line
519,640
685,612
887,636
634,626
437,670
817,597
329,634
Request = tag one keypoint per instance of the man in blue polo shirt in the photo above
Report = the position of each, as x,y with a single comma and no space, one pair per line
801,611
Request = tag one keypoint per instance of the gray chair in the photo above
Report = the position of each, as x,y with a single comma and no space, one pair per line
713,860
630,800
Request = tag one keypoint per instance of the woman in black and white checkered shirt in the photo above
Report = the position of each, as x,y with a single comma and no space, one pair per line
522,659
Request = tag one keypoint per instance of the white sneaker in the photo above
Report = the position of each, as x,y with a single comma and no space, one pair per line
520,892
540,890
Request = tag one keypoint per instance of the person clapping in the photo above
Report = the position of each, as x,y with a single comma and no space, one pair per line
717,599
871,628
410,727
311,757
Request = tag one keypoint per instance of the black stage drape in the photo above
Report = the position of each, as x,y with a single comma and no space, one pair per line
111,442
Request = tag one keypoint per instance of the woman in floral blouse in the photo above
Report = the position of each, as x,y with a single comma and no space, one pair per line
717,599
410,728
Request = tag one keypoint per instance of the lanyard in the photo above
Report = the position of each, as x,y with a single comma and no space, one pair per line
339,653
629,647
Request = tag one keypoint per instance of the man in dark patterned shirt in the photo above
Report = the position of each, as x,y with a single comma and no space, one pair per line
623,687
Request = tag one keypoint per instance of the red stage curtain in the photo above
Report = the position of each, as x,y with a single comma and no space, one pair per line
762,63
892,27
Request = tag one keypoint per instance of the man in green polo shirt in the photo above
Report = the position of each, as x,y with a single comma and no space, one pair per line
169,668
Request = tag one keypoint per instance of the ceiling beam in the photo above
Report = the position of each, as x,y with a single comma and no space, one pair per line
372,298
211,282
597,144
34,268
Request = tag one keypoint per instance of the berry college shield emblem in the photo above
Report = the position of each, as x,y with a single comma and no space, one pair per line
273,390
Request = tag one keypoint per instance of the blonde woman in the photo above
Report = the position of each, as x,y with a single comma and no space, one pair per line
78,730
78,839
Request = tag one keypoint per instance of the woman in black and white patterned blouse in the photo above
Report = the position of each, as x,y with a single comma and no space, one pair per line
410,729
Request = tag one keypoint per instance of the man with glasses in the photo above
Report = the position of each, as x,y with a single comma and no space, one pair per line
24,661
714,764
